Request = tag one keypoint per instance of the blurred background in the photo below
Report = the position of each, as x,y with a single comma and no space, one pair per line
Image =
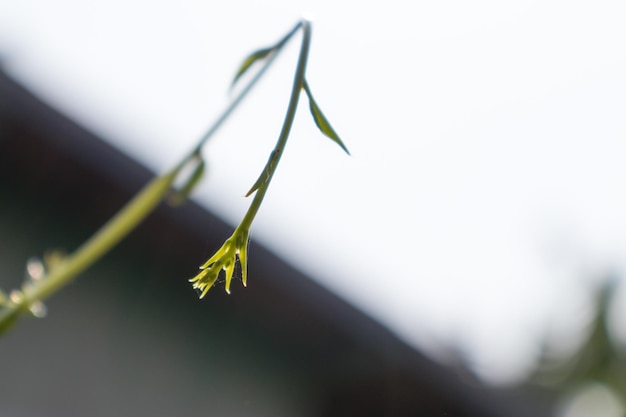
479,223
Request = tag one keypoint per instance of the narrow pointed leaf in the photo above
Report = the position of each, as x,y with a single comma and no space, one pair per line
251,59
204,281
229,270
242,253
257,184
243,262
321,121
265,174
216,256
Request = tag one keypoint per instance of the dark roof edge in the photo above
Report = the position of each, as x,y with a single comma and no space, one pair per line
128,174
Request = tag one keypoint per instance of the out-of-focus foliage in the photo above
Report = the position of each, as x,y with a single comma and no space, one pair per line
599,364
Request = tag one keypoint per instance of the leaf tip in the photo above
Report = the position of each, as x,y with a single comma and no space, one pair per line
320,120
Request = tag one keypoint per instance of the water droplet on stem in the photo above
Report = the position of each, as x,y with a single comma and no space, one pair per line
38,309
16,296
35,269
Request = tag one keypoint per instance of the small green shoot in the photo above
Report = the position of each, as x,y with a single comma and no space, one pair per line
28,299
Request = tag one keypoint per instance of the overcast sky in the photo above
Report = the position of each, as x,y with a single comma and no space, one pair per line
485,191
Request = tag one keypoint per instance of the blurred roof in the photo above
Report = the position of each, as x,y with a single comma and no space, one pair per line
486,140
59,181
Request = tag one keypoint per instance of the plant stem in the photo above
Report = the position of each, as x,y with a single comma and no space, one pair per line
233,105
298,85
136,210
93,249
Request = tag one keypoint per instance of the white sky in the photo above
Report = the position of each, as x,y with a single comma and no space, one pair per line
485,189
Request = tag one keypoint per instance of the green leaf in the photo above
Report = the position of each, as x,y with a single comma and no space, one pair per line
265,174
321,121
251,59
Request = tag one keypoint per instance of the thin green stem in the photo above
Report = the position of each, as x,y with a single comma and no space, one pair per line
244,92
93,249
237,245
135,211
298,85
